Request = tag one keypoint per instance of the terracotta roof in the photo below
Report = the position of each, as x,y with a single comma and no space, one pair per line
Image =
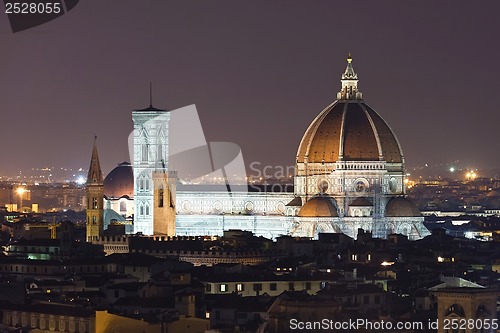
401,207
296,201
351,129
321,205
361,202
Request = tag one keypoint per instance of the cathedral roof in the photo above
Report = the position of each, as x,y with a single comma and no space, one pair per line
296,201
321,205
349,130
120,182
401,207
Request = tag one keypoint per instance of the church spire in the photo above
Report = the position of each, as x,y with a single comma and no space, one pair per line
95,174
349,83
150,95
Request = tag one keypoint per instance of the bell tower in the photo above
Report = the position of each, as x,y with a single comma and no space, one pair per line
149,153
95,198
164,202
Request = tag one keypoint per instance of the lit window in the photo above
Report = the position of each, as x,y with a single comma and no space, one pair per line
240,287
223,288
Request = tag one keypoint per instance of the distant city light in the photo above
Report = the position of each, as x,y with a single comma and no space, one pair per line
81,180
471,175
452,169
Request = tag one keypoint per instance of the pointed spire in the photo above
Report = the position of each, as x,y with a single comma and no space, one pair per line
95,174
349,83
150,95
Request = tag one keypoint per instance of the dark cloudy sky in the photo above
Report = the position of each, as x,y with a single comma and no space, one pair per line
258,72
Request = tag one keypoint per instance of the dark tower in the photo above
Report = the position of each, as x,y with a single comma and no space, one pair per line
95,198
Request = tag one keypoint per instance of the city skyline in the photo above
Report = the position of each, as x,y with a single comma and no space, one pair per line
428,73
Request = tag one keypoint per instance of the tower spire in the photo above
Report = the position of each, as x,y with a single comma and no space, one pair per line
95,198
150,95
349,83
95,174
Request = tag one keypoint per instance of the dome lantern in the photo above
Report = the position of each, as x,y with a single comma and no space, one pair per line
349,83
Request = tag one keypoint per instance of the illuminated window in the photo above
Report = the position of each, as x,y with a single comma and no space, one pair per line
223,288
240,287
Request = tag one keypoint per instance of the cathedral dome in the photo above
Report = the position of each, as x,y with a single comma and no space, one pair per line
349,130
120,182
401,207
321,205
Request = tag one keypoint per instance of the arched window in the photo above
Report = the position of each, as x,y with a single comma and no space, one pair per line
455,309
123,206
147,210
160,197
145,153
141,210
160,152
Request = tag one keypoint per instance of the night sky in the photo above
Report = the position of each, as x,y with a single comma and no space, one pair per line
258,72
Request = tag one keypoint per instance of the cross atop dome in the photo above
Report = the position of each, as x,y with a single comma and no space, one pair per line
349,83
